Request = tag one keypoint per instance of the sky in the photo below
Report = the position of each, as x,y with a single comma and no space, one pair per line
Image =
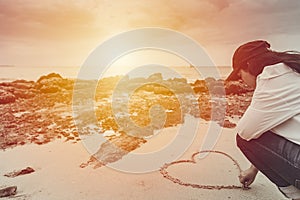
65,32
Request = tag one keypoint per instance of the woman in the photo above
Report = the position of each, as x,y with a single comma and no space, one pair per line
269,131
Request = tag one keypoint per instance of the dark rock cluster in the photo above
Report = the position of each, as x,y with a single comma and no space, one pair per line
8,191
27,170
38,112
28,114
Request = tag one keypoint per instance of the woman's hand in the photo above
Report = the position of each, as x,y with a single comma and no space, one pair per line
248,176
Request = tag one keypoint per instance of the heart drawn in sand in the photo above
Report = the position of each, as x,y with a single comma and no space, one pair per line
166,174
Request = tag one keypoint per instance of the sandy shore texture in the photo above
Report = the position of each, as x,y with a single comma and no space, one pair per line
58,175
38,132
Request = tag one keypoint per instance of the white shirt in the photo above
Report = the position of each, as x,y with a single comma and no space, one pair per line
275,105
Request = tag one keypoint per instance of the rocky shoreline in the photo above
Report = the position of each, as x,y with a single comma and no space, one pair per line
40,112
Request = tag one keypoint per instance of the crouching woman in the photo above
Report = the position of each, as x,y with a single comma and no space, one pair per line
269,131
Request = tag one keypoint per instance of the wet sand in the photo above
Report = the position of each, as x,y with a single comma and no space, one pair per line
58,175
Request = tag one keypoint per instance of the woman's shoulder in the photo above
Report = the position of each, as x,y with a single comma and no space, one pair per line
278,82
276,70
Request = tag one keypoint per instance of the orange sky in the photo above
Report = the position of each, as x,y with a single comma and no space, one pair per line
63,33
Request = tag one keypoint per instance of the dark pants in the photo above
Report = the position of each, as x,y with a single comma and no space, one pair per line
274,156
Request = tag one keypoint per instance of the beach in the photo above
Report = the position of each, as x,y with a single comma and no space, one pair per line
141,100
58,175
77,150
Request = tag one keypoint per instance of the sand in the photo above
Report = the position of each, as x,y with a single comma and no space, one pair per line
58,175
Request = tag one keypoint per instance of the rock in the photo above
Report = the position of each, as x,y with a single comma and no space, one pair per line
157,77
70,138
211,84
11,142
6,97
148,87
11,125
18,84
8,191
109,153
200,86
5,84
209,80
22,84
49,89
179,80
162,90
227,124
199,82
65,134
178,85
67,84
23,94
23,81
8,116
218,90
117,147
13,174
235,87
49,76
200,89
53,83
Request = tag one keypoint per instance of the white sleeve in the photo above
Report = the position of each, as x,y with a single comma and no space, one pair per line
274,101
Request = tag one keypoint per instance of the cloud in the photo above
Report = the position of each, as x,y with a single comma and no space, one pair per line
43,19
207,20
220,25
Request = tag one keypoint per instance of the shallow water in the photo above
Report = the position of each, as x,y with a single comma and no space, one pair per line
33,73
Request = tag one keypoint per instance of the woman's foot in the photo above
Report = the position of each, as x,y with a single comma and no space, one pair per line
291,192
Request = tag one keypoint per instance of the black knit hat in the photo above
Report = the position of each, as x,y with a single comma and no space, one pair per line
244,53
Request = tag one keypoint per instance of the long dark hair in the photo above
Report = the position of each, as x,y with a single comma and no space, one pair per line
256,65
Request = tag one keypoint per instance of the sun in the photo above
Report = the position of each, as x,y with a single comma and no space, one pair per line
133,60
